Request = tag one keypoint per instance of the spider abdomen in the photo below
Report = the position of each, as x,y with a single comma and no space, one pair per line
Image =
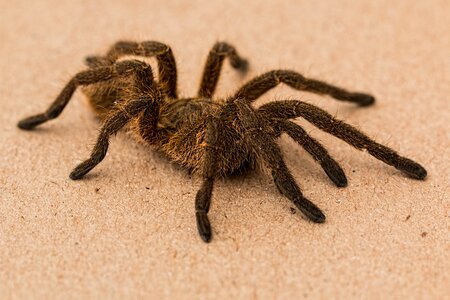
104,96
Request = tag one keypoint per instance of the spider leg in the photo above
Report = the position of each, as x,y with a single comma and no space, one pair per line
214,62
315,149
266,147
263,83
127,67
203,197
166,61
110,127
323,120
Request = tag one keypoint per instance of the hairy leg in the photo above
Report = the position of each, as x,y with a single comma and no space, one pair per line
213,66
110,127
123,68
164,56
315,149
263,83
266,147
203,197
292,109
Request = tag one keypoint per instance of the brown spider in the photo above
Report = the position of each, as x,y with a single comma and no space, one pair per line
208,136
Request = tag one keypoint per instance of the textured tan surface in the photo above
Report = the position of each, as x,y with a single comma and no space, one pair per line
128,230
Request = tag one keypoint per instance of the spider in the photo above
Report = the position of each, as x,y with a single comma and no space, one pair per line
213,137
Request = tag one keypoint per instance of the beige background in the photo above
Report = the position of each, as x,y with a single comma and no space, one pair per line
128,230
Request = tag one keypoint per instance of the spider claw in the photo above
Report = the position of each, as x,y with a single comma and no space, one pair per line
203,226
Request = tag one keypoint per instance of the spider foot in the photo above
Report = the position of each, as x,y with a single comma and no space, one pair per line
310,210
203,226
31,122
240,64
335,173
413,169
363,99
81,170
287,186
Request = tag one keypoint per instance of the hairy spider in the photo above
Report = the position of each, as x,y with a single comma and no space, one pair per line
209,136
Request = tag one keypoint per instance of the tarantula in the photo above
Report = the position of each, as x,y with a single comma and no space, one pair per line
213,137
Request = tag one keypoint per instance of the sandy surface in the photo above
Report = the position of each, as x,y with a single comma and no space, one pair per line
128,230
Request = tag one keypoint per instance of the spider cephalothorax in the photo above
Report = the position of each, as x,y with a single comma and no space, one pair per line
208,136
